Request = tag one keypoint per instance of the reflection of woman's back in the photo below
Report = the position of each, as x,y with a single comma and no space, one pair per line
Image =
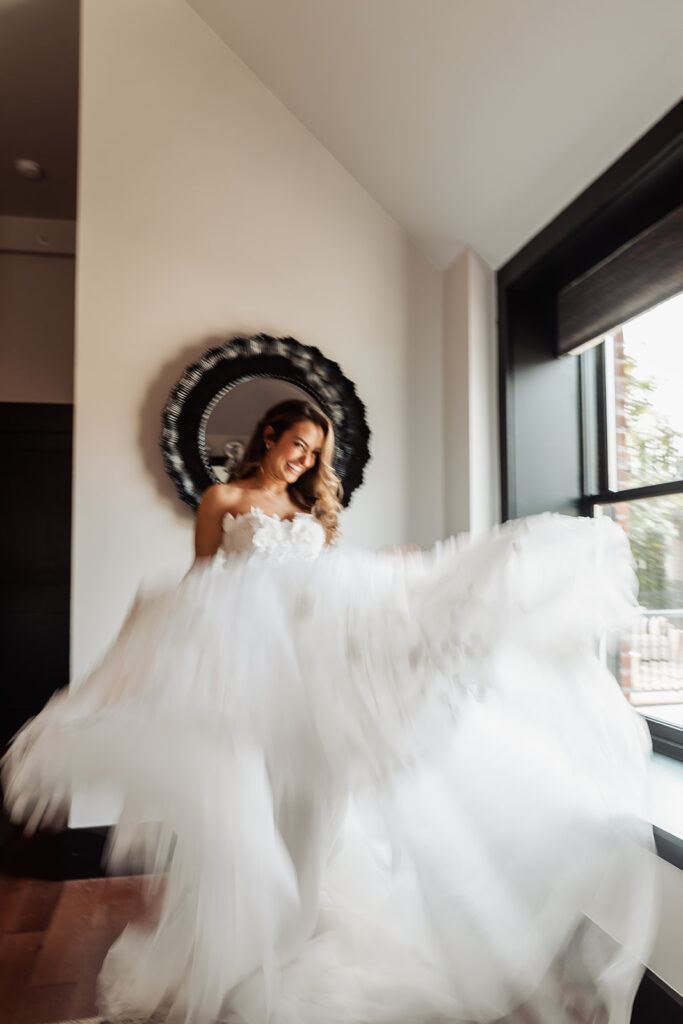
348,834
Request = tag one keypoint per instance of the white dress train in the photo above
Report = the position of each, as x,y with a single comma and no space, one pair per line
381,790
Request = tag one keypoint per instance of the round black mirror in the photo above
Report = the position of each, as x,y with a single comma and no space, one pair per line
215,405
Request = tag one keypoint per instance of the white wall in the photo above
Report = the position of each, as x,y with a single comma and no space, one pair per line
484,468
456,467
424,403
471,456
205,209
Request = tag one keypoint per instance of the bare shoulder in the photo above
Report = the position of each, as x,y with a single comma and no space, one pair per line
220,498
217,501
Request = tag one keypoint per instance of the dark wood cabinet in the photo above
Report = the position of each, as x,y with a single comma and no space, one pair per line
35,557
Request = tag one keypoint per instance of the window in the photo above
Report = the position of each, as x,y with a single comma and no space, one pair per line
632,413
614,254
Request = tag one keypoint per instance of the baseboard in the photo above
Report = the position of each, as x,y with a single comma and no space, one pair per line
656,1002
72,853
82,853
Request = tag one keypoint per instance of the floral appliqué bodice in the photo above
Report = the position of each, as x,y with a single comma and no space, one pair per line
267,536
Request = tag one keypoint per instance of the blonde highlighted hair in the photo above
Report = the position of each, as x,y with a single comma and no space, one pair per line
319,489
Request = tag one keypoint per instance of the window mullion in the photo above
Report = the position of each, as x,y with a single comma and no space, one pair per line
602,429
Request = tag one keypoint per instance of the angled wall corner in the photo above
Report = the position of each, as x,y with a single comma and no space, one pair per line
471,489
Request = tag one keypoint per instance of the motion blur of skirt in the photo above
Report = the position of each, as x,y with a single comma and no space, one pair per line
384,790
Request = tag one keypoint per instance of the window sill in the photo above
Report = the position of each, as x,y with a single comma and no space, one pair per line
666,807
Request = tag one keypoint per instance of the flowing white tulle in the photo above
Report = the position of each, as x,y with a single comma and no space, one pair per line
383,790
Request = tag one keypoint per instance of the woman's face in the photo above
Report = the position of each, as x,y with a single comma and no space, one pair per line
295,451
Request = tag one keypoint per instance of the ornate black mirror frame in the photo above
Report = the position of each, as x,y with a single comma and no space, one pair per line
220,369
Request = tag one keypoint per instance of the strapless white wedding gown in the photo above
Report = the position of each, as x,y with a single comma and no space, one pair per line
381,789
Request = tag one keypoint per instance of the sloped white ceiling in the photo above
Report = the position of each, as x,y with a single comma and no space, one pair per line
470,121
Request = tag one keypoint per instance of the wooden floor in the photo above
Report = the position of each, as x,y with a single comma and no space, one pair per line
53,938
54,934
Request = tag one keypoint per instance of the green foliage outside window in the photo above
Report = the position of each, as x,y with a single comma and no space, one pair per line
652,453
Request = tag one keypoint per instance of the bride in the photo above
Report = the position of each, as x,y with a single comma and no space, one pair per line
370,789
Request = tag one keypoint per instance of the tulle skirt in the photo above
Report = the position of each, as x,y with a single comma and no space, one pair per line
379,789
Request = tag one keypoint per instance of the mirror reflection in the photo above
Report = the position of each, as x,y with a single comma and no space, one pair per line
233,418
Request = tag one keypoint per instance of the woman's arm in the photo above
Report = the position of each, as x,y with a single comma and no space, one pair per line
217,501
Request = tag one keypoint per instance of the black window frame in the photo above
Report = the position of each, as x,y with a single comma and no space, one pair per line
666,738
544,464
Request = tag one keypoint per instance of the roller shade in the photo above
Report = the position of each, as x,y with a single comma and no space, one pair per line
645,271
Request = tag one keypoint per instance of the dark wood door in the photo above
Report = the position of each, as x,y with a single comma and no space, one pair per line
35,557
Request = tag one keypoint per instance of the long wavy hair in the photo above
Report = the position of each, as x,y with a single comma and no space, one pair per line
319,489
